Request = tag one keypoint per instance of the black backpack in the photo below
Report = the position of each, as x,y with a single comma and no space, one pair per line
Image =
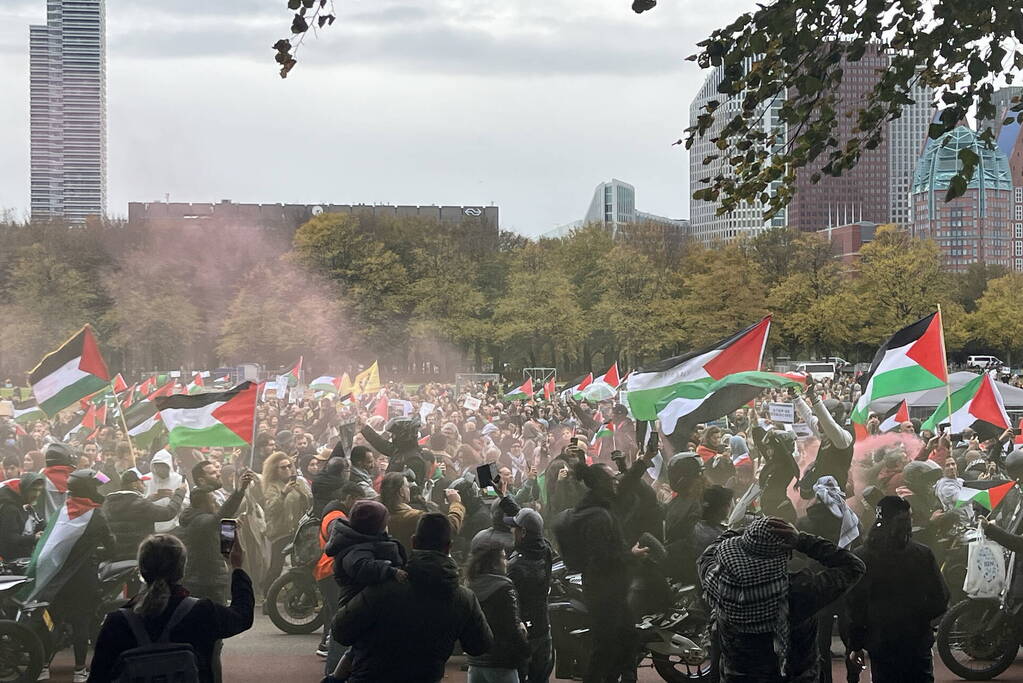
159,662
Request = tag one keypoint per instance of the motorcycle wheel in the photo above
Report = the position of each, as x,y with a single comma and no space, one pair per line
21,653
672,670
973,644
294,605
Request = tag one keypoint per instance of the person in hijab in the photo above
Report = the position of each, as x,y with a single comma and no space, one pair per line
893,606
765,616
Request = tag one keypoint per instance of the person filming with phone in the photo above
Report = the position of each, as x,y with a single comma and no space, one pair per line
194,626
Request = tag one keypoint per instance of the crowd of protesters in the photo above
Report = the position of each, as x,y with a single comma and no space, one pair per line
410,537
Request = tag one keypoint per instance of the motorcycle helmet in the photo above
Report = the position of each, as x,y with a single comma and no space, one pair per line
58,454
1014,465
921,474
84,484
684,468
837,410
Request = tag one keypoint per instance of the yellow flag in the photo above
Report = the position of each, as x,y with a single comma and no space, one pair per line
344,385
367,381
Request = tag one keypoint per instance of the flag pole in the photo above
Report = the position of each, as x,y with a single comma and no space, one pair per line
948,378
124,423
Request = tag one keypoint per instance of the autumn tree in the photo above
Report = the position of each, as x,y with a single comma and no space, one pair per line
997,321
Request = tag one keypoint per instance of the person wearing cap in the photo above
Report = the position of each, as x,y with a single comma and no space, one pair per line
529,569
17,537
132,517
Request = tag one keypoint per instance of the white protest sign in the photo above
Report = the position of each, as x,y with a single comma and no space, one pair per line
802,430
425,408
782,412
471,403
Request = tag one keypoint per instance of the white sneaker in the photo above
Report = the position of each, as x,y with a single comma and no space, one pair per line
44,675
80,676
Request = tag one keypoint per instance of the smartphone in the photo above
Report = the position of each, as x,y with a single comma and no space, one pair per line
293,478
574,441
486,475
653,444
228,535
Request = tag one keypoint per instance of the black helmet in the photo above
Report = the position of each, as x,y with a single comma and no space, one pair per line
84,484
58,453
683,468
836,408
1014,465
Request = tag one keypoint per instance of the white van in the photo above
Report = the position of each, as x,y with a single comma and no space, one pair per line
983,362
817,371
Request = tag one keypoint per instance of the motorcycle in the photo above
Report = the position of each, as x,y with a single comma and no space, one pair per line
54,635
21,652
293,601
677,640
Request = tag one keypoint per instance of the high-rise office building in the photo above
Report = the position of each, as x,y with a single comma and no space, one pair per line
975,227
877,190
613,205
67,72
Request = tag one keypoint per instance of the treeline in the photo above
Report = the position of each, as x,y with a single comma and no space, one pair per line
348,289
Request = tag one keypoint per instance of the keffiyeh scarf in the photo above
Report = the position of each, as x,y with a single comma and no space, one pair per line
830,495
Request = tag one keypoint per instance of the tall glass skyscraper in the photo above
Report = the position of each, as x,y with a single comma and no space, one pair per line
67,72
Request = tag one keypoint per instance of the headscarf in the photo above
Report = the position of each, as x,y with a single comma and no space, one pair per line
748,585
830,495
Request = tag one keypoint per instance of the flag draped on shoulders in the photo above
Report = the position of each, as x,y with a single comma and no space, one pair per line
912,359
219,418
58,554
70,373
976,405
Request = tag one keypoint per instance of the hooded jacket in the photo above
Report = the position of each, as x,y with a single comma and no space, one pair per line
17,537
131,518
171,483
500,603
529,568
362,560
386,624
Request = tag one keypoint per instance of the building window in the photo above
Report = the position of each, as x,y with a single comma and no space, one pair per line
1019,249
1019,231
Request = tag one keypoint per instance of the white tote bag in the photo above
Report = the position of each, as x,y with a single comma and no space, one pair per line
985,568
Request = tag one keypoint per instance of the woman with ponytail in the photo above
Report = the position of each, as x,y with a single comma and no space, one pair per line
161,561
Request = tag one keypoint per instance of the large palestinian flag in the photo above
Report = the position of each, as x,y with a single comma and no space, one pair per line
144,423
324,383
898,414
976,405
652,388
219,418
913,359
70,373
58,555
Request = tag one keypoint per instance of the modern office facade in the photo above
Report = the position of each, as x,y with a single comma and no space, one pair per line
613,205
67,89
877,190
1010,142
973,228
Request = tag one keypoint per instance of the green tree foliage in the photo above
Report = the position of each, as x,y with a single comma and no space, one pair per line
997,321
793,51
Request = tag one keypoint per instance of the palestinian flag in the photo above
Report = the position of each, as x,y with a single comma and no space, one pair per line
989,499
196,385
325,383
127,398
976,405
70,373
58,555
576,388
27,411
548,389
216,418
705,400
894,417
144,423
119,384
294,375
913,359
90,424
653,387
605,387
607,429
521,393
166,390
367,381
147,387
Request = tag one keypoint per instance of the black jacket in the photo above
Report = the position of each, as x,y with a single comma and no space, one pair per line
205,624
605,571
131,518
362,560
529,568
201,535
892,607
750,657
16,539
404,632
500,604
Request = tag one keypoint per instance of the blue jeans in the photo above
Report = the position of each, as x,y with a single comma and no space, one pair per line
487,674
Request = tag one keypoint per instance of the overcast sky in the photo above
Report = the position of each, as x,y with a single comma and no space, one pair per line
524,103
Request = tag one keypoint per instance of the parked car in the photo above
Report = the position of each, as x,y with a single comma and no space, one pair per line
983,362
817,370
